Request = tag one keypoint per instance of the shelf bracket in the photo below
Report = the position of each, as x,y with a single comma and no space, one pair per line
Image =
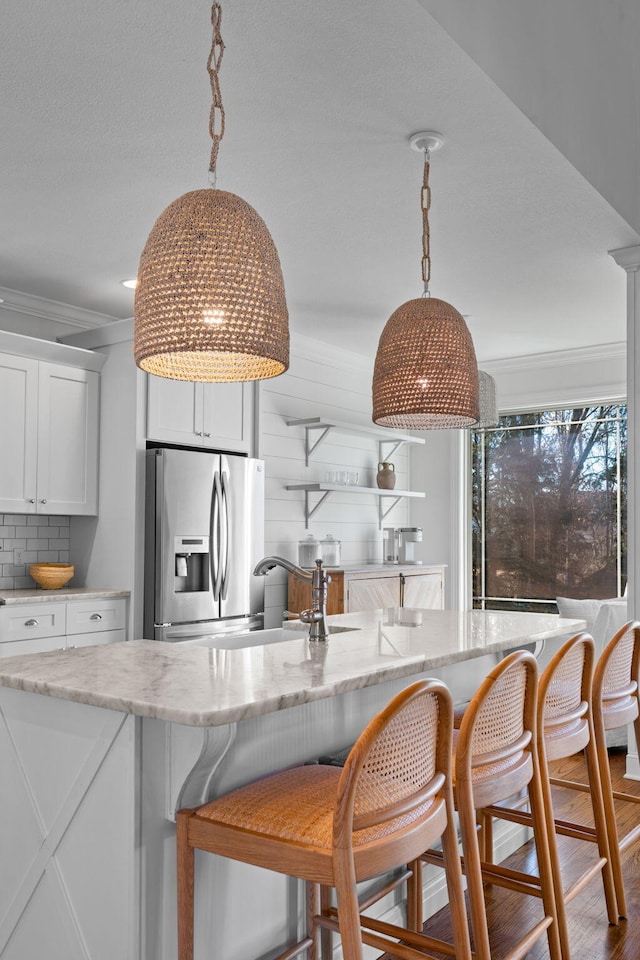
310,447
386,456
308,514
383,514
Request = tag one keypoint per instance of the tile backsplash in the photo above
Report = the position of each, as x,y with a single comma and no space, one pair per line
39,538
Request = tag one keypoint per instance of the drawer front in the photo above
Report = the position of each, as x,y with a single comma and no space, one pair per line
94,639
94,616
16,648
31,621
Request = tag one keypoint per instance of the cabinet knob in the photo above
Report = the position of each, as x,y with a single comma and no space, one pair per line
95,616
198,433
44,500
31,499
207,434
32,622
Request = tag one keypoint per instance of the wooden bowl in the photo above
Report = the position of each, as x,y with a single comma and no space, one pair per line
51,576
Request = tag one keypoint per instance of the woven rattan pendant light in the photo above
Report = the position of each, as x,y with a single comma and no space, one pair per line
425,375
488,403
210,302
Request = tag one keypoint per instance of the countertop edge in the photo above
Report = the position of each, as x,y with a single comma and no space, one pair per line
221,716
10,598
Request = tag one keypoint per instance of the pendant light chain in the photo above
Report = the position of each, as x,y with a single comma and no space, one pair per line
210,304
426,204
217,109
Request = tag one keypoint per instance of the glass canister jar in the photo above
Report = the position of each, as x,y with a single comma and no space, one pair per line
330,551
308,551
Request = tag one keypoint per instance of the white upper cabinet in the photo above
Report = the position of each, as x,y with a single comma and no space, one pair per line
214,415
48,437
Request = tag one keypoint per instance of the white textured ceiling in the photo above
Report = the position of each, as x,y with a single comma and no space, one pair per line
104,121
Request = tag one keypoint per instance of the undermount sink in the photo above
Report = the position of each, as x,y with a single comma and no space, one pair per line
260,638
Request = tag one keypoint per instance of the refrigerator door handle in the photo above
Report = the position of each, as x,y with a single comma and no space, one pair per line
226,539
214,540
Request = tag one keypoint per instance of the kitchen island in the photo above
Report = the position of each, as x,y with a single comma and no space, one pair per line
100,745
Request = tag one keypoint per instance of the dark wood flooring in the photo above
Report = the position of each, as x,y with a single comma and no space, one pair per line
590,934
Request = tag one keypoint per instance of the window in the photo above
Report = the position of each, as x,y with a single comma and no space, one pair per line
549,508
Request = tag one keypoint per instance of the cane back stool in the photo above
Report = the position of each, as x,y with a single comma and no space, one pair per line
565,727
496,757
616,703
334,828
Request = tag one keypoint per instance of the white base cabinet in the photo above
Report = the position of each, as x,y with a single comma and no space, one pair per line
375,587
58,625
50,442
217,416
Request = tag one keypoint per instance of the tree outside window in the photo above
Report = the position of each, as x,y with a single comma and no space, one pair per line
549,508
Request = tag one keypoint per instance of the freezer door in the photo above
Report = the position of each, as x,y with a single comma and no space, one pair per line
241,535
184,576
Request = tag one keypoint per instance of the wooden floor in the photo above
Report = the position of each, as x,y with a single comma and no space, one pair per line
591,936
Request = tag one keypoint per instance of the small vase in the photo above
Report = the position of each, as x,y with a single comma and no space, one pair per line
386,476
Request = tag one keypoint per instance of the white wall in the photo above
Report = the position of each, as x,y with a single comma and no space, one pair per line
108,550
573,69
330,382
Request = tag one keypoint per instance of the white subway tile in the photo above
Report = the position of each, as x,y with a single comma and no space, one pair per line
35,521
59,544
10,570
15,518
24,583
6,556
62,521
7,531
24,532
6,583
48,556
38,544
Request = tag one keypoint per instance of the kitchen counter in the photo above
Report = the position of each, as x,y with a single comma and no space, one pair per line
101,745
37,595
195,685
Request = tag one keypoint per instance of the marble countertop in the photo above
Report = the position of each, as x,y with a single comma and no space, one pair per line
36,595
196,685
371,565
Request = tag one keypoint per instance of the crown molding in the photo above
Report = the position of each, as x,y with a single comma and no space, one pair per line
556,358
19,345
627,257
33,306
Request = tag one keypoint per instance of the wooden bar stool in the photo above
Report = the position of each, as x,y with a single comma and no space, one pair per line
565,728
616,703
333,828
496,757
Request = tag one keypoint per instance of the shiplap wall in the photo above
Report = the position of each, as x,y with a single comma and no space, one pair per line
329,382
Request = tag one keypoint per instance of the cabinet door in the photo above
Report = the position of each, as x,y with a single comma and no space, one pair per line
424,590
373,593
174,411
228,416
215,415
67,440
18,434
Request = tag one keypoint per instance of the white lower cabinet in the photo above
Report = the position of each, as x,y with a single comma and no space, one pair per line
405,587
372,593
425,590
59,625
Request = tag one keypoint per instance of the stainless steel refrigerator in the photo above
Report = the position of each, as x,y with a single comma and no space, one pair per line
204,536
